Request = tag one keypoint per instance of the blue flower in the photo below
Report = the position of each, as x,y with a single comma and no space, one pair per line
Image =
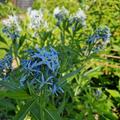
41,70
5,65
7,61
99,39
49,58
11,27
100,33
56,89
11,33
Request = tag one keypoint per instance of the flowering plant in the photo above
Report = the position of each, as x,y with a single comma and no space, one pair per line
41,59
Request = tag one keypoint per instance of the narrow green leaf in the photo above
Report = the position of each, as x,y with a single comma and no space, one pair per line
36,111
21,41
7,104
71,74
17,94
5,49
8,85
92,70
3,40
53,114
24,110
30,88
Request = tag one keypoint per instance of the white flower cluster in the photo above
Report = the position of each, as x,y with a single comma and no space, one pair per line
12,21
60,14
36,19
79,17
77,20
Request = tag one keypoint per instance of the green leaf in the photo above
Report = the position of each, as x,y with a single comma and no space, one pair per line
53,114
24,110
36,111
21,41
30,88
6,104
92,71
71,74
3,40
110,116
113,93
8,85
5,49
17,94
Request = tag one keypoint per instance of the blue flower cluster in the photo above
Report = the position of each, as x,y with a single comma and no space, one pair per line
100,33
48,58
41,70
13,34
11,27
5,65
99,39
